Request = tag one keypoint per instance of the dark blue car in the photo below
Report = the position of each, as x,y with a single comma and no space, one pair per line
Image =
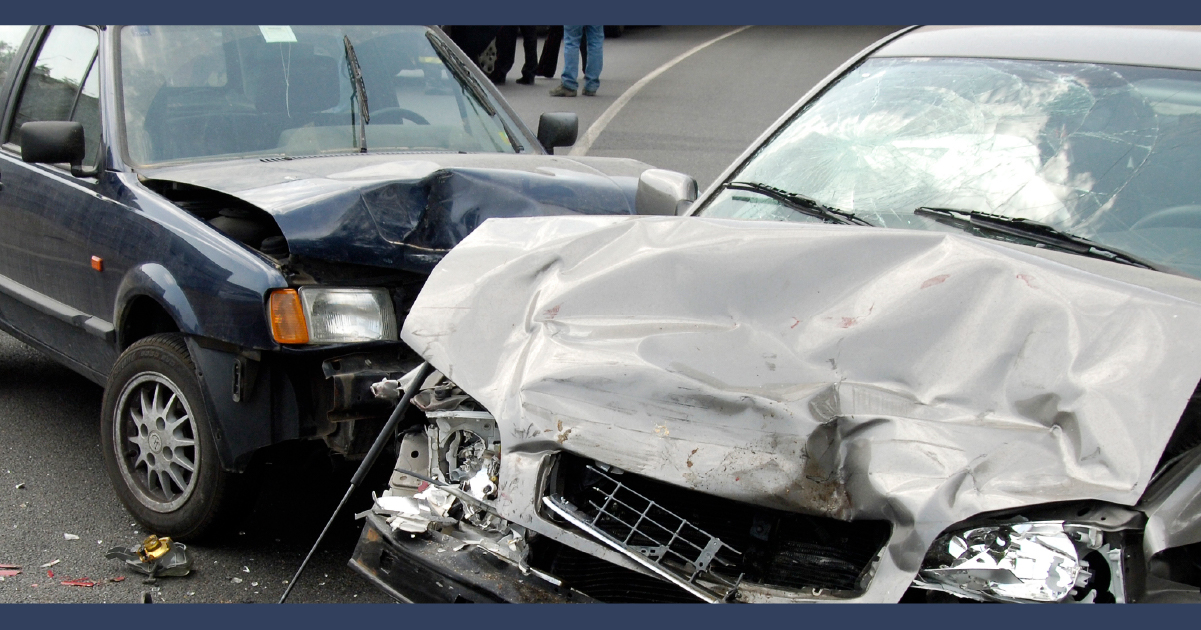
224,226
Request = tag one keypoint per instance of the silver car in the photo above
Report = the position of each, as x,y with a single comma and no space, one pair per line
933,337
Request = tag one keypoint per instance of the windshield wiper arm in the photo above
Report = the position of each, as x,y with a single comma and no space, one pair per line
801,204
972,221
360,91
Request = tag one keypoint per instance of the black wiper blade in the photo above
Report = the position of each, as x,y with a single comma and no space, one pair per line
985,222
462,71
801,204
360,90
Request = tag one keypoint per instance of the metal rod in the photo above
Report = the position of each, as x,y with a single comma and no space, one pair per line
423,372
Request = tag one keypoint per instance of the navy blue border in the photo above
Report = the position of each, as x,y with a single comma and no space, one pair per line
606,11
596,617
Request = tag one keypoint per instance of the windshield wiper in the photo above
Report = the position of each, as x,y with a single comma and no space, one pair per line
360,91
984,223
801,204
463,73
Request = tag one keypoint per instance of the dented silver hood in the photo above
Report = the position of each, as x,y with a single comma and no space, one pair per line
852,372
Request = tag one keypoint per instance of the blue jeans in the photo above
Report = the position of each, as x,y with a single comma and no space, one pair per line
571,56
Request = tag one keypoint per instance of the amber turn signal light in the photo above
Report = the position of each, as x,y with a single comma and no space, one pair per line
287,317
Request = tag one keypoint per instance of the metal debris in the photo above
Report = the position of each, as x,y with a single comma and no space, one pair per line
155,557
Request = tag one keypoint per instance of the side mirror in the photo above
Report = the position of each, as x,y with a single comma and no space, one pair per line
664,192
558,129
54,142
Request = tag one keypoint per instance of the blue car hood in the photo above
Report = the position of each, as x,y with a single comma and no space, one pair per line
407,211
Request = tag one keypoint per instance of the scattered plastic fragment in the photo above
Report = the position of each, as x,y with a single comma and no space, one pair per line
9,570
50,564
236,580
70,537
254,583
245,569
49,573
19,486
80,582
155,557
119,578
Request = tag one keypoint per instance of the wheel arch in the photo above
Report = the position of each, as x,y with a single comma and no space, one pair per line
150,301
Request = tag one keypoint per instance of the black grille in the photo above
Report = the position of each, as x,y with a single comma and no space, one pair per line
777,548
603,580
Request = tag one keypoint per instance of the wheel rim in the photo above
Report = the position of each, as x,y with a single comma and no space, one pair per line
155,438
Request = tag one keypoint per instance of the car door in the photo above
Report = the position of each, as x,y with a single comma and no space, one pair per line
47,214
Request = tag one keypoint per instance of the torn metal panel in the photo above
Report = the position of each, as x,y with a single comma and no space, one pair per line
914,377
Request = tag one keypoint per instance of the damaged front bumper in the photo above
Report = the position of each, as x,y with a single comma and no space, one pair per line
438,568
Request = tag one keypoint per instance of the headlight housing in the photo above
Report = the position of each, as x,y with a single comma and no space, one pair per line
332,315
1036,561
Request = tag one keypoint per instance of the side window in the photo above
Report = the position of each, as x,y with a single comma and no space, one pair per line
62,85
11,38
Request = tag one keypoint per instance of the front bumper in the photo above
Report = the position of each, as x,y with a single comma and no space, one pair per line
428,569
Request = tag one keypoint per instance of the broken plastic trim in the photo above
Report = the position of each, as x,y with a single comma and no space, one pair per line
652,517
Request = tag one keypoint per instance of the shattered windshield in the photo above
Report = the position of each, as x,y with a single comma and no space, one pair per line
198,92
1104,152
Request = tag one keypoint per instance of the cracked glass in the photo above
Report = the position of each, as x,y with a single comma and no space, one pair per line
1105,152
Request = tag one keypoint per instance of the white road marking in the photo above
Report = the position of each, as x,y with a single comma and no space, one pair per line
583,144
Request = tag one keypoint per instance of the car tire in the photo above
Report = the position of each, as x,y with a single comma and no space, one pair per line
154,426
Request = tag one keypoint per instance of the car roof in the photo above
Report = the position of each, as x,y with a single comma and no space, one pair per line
1162,46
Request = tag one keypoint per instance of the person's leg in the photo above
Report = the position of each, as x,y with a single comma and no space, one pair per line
506,53
592,70
549,62
584,48
529,45
571,56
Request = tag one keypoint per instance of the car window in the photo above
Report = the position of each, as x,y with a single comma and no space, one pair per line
61,85
198,92
1104,152
11,38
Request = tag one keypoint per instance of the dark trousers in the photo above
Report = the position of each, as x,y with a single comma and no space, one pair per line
549,61
506,51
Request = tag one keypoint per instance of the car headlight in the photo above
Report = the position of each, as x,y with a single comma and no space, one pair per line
1036,561
331,315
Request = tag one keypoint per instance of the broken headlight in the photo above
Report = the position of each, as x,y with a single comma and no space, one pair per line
1036,561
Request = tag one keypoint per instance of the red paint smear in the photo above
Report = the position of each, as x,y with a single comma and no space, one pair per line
935,280
80,582
847,322
424,484
1029,280
550,314
796,324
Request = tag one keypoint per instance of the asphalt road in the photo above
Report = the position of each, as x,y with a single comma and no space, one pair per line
694,117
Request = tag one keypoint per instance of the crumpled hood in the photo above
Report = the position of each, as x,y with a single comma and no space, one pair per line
912,376
406,211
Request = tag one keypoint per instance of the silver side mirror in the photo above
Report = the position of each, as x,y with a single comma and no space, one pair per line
664,192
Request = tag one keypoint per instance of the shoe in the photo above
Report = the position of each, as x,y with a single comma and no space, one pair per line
589,92
497,80
561,90
525,81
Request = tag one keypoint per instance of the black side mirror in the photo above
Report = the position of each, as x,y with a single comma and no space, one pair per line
664,192
54,142
558,129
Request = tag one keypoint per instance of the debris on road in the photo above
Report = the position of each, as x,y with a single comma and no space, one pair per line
9,570
80,582
236,580
70,537
50,564
49,573
155,557
119,578
19,486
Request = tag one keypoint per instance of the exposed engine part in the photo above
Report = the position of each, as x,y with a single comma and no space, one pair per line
446,474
